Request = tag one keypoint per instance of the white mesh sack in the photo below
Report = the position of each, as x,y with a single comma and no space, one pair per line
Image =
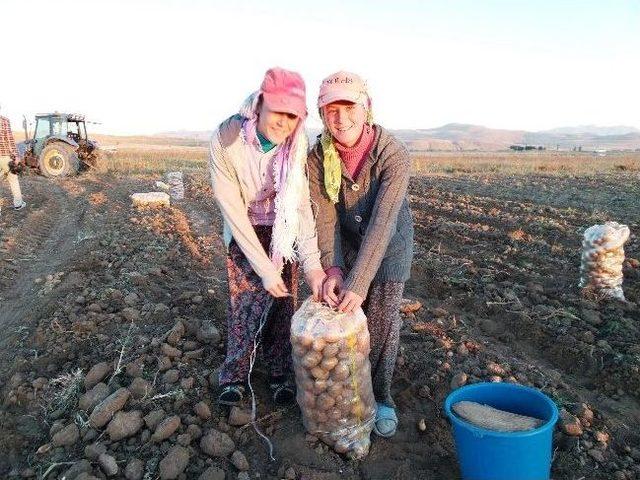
333,376
176,185
602,259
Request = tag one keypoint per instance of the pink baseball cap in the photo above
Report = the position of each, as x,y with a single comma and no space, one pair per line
284,91
343,86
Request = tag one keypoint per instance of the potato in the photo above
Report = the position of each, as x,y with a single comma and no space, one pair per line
329,363
298,351
305,340
319,386
319,373
334,414
311,359
331,350
321,416
334,388
325,401
341,371
318,344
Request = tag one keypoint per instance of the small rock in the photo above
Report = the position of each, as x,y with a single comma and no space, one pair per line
458,380
140,388
85,476
94,307
290,473
174,463
97,373
462,350
208,333
170,351
240,461
171,376
131,299
591,316
239,417
440,312
570,424
176,333
422,425
108,464
202,410
597,455
93,397
93,451
409,306
66,437
197,299
243,476
130,314
103,413
184,439
166,428
78,468
124,425
217,444
212,473
187,383
153,418
134,470
193,355
164,363
194,431
602,437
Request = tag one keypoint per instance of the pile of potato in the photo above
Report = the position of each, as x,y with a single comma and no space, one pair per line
602,259
333,376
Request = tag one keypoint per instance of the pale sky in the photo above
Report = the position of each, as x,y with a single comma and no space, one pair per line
151,66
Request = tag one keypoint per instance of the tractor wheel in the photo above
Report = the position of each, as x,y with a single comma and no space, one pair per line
58,160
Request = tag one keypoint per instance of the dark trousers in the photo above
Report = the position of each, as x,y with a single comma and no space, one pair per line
247,303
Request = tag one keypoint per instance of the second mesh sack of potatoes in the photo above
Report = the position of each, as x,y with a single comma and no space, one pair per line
333,376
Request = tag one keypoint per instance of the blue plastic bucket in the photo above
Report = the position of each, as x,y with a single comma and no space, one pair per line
489,455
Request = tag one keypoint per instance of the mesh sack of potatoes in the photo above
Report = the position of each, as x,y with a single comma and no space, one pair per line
602,259
176,185
333,376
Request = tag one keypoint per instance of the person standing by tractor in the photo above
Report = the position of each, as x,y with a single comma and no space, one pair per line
10,162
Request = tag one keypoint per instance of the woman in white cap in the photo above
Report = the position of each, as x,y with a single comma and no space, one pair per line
358,178
257,165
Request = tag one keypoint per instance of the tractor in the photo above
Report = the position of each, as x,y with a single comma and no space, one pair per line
59,147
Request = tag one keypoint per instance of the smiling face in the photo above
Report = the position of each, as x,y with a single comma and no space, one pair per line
345,121
276,126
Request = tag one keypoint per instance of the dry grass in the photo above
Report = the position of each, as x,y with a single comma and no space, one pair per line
153,158
559,163
148,160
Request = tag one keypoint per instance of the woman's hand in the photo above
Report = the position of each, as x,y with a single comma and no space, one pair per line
350,301
276,288
332,288
315,279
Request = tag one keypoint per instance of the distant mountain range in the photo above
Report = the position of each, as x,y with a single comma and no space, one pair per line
458,137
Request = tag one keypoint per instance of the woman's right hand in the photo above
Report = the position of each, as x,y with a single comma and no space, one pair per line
276,288
332,288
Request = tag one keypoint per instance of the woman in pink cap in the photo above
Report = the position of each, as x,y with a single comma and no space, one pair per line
358,178
257,165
